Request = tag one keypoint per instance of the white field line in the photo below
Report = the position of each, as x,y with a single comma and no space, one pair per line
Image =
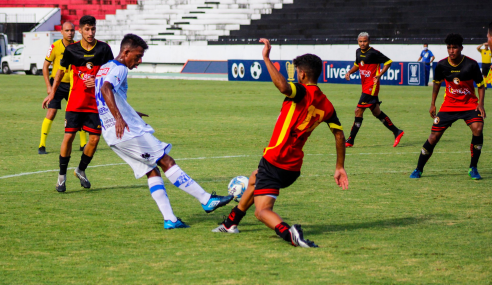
231,156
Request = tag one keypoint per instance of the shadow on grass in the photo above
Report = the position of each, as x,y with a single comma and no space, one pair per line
95,190
389,223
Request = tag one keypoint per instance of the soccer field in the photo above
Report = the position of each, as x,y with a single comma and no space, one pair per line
386,229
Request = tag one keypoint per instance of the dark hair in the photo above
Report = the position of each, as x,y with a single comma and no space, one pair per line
87,20
133,41
426,44
309,63
454,39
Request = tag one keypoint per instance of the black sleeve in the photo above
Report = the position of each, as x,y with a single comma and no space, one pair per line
109,54
66,59
381,58
477,74
298,92
333,122
439,73
357,58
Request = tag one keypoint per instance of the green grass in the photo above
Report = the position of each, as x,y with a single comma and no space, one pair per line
386,229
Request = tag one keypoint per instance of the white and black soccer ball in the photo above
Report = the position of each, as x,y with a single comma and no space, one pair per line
255,70
237,186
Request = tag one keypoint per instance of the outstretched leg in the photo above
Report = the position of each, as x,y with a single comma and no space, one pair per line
376,111
180,179
426,153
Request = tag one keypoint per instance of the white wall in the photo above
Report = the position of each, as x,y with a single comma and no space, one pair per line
182,53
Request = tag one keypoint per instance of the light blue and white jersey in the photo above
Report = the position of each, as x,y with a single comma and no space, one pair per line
116,73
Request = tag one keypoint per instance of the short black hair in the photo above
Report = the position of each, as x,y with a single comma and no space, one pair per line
133,41
87,20
426,44
454,39
309,63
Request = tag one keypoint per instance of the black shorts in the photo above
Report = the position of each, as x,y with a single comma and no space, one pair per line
89,122
270,178
368,101
485,69
60,94
444,120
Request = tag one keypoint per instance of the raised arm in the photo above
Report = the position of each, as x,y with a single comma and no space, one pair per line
479,48
277,78
108,95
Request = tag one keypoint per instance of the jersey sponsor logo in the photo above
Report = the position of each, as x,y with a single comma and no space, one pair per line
103,72
89,65
459,91
456,81
436,120
103,110
455,71
48,55
88,55
84,76
365,73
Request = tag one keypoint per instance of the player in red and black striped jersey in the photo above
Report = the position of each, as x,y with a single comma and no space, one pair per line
304,108
460,102
368,61
82,61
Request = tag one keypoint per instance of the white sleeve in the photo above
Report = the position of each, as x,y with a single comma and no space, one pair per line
116,76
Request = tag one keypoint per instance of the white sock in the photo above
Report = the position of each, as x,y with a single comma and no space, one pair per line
158,192
181,180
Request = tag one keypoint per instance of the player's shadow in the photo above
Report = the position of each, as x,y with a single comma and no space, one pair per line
84,190
388,223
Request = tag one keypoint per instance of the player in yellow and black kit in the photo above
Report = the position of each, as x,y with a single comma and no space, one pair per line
55,54
460,102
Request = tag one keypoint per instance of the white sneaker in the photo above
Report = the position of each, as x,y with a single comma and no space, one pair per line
298,237
222,229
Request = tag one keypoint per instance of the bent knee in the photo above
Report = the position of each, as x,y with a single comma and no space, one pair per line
94,140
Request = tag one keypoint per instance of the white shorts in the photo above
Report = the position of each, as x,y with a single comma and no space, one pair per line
142,153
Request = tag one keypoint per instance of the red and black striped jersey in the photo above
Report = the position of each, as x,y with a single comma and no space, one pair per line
460,92
369,63
83,64
301,113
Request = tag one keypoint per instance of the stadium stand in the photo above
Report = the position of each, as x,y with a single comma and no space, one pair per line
175,21
391,21
72,10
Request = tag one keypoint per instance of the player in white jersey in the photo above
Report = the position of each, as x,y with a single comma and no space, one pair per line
131,138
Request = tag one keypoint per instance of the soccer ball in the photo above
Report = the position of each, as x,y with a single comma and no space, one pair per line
237,186
255,70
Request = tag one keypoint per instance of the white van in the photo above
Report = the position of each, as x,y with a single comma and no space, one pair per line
31,55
